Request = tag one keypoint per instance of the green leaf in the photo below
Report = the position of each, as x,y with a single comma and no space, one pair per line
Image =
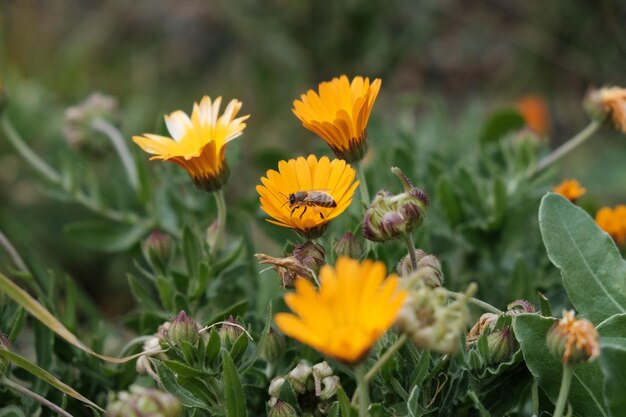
184,370
586,390
594,273
106,236
239,348
264,334
500,123
613,362
213,347
45,376
233,391
344,404
449,201
168,379
191,251
11,411
143,292
544,305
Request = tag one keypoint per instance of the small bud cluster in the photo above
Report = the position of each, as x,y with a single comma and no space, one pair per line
391,216
183,329
305,261
428,269
430,320
230,331
143,402
348,245
317,383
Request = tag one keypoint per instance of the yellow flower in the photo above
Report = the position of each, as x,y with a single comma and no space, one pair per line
613,221
338,113
611,102
198,143
306,194
570,189
353,307
573,340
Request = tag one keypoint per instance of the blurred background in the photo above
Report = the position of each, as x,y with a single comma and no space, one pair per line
445,66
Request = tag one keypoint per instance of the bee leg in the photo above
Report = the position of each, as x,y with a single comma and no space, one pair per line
321,215
294,209
304,211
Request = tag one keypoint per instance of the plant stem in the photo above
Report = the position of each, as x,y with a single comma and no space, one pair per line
408,240
221,218
564,149
363,390
365,195
118,142
566,382
386,356
41,400
476,302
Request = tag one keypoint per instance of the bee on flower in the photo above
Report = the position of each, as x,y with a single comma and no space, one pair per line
198,143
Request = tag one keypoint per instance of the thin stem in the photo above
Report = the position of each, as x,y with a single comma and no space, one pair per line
485,306
41,400
365,195
15,256
221,218
363,390
386,356
408,240
118,142
566,382
564,149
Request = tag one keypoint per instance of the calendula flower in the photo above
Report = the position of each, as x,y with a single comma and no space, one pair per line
198,142
534,110
613,221
608,102
338,113
353,307
306,194
573,340
570,189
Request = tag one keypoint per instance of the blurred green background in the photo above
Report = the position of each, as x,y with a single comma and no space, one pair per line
445,66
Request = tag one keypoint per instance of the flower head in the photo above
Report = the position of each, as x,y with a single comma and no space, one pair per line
338,113
613,221
534,110
353,307
573,340
570,189
608,102
198,142
306,194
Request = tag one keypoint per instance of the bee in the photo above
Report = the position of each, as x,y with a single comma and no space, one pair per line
310,198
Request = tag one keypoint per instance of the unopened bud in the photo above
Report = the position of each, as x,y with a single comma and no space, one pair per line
183,328
230,331
5,344
298,377
429,269
158,248
143,402
282,409
274,346
501,344
573,340
520,307
348,245
391,216
486,322
310,254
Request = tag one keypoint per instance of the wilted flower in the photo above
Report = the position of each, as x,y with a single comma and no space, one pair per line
348,245
391,216
339,113
534,110
573,340
570,189
288,268
299,376
352,308
608,102
613,221
198,142
487,321
143,402
306,194
183,328
310,254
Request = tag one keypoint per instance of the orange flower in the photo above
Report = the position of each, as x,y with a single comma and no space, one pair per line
339,113
611,102
573,340
613,221
570,189
306,194
534,110
199,141
353,307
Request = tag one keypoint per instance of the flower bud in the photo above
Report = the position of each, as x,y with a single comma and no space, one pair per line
158,248
276,385
212,234
274,346
502,345
486,322
607,103
282,409
310,254
230,331
79,119
298,377
288,268
391,216
348,245
573,340
143,402
5,344
520,307
183,328
428,270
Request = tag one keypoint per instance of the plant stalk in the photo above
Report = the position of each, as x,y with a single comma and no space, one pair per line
479,303
365,195
221,218
408,240
363,390
118,142
566,382
41,400
386,356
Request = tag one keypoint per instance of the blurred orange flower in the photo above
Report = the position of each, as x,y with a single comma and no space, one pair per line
611,102
570,189
613,221
535,112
